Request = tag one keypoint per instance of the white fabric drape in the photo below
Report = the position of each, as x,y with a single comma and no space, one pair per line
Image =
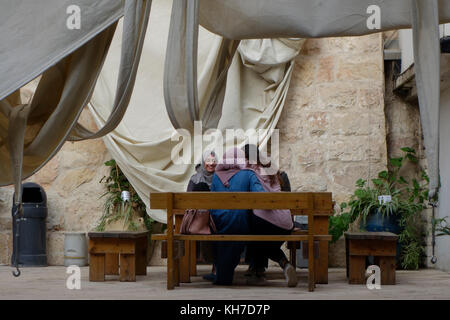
70,61
256,86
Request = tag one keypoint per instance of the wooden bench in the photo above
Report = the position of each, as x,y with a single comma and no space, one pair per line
117,253
381,245
317,206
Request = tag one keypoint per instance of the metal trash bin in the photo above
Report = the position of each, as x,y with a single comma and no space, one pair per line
32,234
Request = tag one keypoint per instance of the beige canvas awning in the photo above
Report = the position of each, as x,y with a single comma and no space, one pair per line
36,40
70,61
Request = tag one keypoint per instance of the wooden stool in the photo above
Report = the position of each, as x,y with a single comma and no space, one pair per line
105,248
381,245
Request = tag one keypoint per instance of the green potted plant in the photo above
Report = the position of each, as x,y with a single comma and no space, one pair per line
389,203
120,215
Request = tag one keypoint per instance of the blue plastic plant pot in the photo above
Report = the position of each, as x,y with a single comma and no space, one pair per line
376,222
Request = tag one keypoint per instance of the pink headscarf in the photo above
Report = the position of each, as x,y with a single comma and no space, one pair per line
233,162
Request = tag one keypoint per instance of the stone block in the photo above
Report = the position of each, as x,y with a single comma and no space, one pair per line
351,70
326,69
337,96
349,123
82,154
47,175
5,247
304,73
72,179
55,248
336,254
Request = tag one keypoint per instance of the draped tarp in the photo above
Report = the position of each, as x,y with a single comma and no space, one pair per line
237,20
35,39
253,96
34,35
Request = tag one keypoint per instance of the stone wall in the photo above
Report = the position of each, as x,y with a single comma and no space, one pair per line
71,181
403,129
333,131
333,127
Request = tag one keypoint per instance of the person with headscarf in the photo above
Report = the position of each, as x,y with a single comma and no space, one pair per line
201,181
267,222
205,171
231,176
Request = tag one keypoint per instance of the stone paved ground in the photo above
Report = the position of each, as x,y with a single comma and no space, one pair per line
50,283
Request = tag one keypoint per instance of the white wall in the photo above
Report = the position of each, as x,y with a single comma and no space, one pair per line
443,243
406,45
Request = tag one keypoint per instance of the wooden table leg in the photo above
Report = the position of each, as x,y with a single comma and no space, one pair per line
112,263
97,267
357,269
322,263
141,256
127,267
346,257
387,269
170,253
321,267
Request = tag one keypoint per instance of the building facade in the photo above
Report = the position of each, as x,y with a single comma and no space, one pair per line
341,122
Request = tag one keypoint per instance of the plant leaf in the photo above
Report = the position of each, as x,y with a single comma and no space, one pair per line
396,162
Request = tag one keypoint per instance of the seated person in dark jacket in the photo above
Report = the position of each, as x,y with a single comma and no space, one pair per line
231,176
267,222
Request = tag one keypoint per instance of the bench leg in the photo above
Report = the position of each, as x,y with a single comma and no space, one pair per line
141,256
387,268
346,258
170,269
127,267
185,264
357,269
193,258
176,276
97,267
112,263
311,268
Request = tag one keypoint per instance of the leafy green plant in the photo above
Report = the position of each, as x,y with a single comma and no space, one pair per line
338,225
407,201
114,208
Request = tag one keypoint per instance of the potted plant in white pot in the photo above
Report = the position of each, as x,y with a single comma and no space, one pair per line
124,210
